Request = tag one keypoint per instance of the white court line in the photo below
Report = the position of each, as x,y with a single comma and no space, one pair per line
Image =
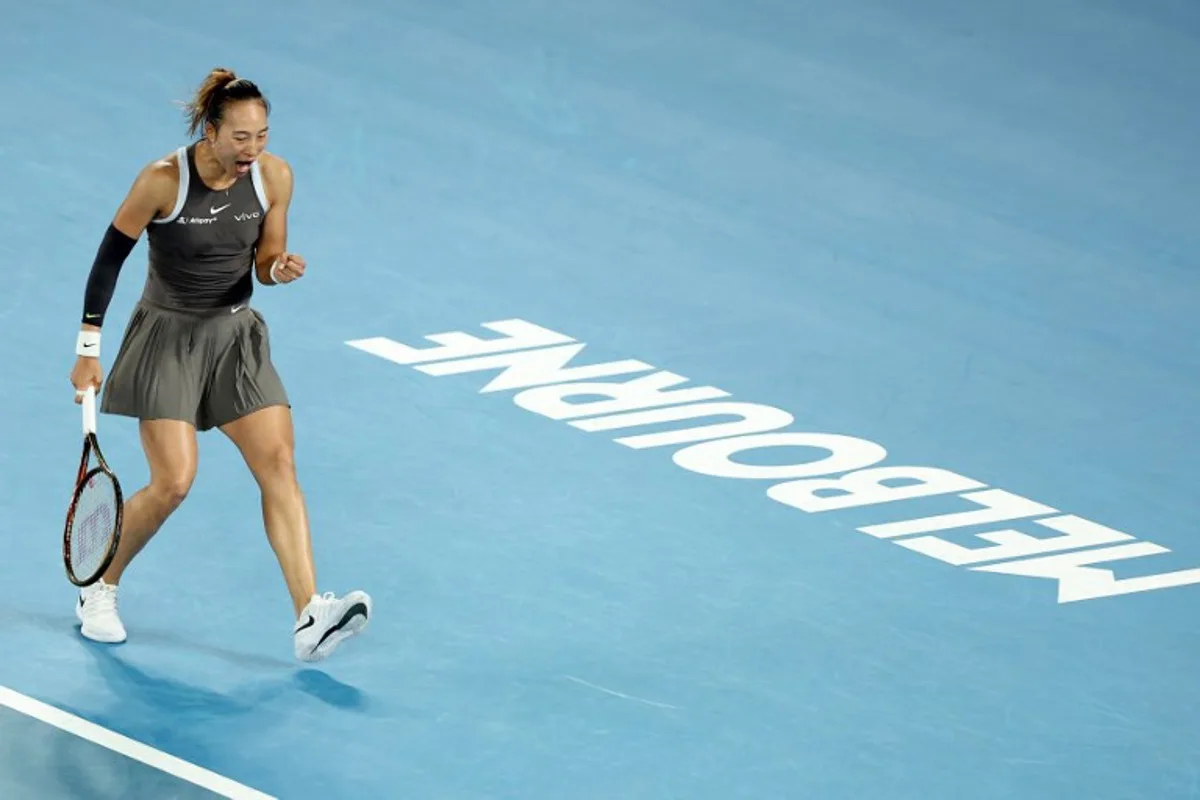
654,703
128,747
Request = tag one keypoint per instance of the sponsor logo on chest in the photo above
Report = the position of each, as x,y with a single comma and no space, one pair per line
219,213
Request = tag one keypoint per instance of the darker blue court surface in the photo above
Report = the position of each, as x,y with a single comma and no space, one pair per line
963,231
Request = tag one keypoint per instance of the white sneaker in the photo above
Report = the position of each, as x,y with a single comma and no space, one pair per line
97,610
327,620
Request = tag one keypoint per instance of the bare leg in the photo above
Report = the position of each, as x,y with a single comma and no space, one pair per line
267,444
170,447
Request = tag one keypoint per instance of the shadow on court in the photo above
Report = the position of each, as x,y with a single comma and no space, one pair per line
132,683
190,719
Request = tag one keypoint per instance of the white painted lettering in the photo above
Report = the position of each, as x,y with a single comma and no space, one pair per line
647,391
525,368
869,487
518,334
755,418
999,506
843,474
1078,582
1077,532
845,453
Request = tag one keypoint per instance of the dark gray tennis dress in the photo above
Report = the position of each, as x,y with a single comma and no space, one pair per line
193,349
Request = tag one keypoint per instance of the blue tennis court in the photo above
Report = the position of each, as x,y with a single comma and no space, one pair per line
718,399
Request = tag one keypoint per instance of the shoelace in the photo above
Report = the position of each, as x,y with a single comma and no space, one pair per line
101,601
315,612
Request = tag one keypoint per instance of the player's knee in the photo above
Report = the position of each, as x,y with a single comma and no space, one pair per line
172,489
277,465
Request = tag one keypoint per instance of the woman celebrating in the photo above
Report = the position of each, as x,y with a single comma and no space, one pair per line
195,356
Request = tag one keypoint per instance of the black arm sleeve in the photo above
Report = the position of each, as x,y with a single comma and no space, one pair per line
102,282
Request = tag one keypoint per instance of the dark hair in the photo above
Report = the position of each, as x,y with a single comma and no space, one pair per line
221,87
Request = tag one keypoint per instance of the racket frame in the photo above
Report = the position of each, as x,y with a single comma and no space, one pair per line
91,446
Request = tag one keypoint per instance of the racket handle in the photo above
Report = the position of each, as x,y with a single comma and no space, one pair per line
89,410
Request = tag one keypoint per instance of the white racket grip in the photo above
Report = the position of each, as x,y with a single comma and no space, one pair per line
89,410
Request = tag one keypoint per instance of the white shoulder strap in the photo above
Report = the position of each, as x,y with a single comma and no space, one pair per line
260,188
184,178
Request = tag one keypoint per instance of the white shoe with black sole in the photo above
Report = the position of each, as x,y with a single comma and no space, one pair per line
327,621
96,609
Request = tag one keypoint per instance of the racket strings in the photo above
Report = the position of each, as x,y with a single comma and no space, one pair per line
93,525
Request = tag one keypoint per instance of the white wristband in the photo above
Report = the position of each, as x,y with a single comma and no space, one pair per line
88,344
271,273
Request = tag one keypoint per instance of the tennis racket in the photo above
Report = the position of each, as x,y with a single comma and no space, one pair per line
93,527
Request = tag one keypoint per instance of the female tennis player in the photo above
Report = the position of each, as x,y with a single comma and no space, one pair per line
196,356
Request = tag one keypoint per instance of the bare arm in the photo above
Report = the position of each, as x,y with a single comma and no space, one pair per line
152,195
272,242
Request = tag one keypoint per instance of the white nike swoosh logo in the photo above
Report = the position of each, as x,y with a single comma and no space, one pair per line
215,211
236,309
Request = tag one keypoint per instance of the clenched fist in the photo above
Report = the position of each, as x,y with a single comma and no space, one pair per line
287,268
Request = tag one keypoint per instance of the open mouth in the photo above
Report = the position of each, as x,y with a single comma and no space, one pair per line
243,166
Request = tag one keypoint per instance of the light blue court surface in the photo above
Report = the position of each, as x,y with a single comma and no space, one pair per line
963,232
